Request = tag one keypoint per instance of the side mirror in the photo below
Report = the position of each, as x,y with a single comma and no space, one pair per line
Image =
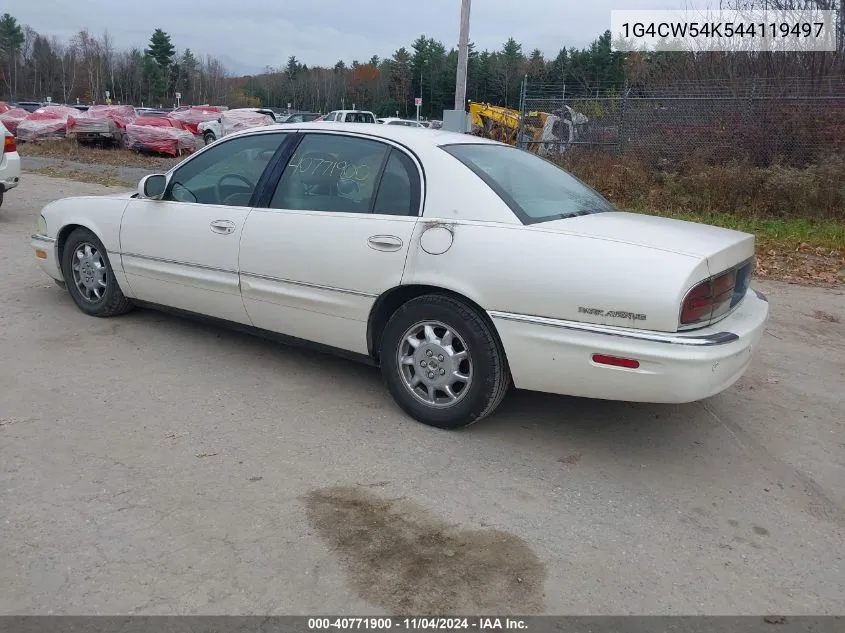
152,186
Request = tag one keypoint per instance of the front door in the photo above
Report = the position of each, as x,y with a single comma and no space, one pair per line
335,236
182,251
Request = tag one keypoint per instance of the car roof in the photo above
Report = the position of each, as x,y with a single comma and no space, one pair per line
408,136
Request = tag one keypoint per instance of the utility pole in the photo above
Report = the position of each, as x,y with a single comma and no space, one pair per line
463,58
418,100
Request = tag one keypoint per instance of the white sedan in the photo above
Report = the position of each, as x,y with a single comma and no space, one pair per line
458,265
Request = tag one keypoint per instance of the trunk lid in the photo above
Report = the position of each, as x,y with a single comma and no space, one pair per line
722,248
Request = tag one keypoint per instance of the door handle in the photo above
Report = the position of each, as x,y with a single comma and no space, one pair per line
223,226
385,242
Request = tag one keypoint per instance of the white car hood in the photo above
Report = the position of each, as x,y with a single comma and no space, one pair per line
722,248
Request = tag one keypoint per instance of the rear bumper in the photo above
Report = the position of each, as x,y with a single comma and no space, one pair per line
556,356
46,255
10,170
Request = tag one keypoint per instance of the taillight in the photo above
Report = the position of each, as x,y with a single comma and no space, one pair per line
709,299
9,144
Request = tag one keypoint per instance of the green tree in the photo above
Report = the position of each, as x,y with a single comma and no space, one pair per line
155,80
536,67
400,79
161,48
11,40
292,68
509,66
188,65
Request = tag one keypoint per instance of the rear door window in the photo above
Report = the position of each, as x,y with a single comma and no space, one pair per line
331,172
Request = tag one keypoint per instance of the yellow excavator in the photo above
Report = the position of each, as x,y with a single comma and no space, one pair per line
542,132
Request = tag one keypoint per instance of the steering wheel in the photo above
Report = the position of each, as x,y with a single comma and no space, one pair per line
243,179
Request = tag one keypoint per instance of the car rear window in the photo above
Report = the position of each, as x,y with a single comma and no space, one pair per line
534,188
359,117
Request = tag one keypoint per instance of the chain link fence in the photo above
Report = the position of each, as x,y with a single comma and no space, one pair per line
794,122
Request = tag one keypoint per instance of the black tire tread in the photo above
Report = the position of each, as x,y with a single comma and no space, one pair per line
501,377
118,303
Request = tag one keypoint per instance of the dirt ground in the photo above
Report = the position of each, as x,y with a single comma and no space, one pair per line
150,464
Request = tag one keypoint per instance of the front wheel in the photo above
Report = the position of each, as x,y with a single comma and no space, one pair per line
442,363
209,138
89,276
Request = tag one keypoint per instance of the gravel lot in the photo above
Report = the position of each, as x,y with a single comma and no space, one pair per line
150,464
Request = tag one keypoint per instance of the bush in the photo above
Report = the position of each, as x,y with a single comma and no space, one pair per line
779,191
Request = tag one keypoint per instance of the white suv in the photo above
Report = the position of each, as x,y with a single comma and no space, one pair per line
10,162
351,116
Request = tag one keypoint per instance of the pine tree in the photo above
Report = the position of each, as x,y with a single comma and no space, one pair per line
161,49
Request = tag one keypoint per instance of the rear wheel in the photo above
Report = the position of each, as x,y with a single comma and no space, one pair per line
1,196
442,363
89,276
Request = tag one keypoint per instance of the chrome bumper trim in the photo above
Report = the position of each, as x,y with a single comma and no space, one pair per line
719,338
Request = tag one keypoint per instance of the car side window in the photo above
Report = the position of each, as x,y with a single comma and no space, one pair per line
331,172
226,173
399,189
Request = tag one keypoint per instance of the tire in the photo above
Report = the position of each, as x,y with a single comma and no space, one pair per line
95,293
484,363
2,193
209,138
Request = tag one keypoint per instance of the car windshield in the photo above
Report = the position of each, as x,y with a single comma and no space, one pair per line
535,189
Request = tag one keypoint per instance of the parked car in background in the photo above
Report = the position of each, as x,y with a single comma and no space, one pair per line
398,121
103,124
11,118
10,163
30,106
192,116
47,122
235,121
428,255
298,117
350,116
150,112
159,135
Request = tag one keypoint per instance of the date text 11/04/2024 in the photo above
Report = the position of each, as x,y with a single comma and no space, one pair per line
419,624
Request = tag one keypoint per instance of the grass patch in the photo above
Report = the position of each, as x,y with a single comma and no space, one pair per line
797,215
70,149
95,178
784,233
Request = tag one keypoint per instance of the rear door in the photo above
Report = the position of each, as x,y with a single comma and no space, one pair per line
334,237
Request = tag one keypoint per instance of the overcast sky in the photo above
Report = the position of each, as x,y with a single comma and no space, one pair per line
248,35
